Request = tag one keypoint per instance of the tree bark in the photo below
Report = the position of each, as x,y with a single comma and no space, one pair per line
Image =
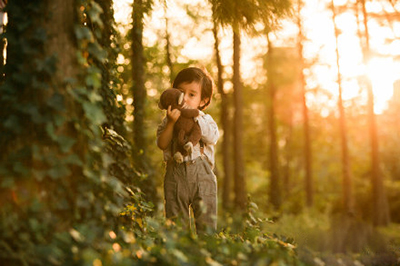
348,202
139,93
381,215
225,121
308,181
240,182
138,89
275,188
168,45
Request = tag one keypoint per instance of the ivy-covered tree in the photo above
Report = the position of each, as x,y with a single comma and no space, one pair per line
56,191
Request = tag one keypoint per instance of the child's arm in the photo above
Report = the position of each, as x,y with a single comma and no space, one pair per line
165,136
209,129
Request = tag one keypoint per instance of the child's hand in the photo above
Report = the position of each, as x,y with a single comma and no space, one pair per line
173,115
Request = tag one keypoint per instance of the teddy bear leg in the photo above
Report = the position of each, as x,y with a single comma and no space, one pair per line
178,157
195,134
188,147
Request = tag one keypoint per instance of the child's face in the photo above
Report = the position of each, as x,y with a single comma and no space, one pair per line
192,93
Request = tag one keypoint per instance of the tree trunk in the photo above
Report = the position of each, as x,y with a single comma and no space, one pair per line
2,40
308,181
115,115
287,170
225,121
168,45
139,102
138,89
275,188
240,182
348,202
380,205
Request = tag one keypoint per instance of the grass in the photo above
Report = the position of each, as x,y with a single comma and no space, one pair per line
323,239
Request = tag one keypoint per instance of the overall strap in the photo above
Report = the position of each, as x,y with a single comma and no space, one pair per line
201,147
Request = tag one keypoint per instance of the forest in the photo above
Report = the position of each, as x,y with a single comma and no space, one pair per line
306,98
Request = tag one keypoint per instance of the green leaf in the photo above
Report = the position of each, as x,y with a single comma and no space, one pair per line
94,97
39,174
12,122
56,102
20,168
33,111
94,113
93,78
65,143
81,59
50,131
94,13
97,51
84,33
59,120
59,171
73,159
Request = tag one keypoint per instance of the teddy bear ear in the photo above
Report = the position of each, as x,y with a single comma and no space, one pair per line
180,99
160,105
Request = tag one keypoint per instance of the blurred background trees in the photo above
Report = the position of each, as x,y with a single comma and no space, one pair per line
306,99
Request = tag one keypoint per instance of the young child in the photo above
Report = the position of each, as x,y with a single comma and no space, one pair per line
191,183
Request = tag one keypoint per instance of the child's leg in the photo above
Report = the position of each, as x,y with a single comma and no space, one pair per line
176,194
205,200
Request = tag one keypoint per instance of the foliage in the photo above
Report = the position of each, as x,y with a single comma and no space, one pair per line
70,193
156,241
246,14
57,196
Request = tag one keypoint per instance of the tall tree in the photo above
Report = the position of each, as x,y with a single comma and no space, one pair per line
2,40
53,174
168,58
243,16
239,15
348,202
379,200
138,89
139,92
275,184
225,121
109,83
240,182
308,180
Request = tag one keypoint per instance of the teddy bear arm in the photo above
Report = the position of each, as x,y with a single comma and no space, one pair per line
189,113
181,137
195,134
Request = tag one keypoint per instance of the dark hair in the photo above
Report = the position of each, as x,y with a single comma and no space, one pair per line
190,74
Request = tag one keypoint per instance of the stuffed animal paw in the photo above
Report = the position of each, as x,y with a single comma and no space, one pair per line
178,157
188,147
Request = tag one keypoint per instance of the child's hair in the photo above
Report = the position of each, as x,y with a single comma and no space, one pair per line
195,74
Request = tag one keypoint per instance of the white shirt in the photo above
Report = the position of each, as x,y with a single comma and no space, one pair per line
209,136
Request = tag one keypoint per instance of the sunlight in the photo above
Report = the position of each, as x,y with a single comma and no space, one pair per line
382,73
198,45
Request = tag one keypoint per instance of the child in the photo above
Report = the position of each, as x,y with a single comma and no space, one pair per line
191,183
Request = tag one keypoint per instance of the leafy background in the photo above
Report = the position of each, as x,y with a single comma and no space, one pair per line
73,191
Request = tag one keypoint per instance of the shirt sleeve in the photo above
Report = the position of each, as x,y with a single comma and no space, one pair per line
161,127
209,129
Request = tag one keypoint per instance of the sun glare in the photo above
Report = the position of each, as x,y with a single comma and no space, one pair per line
197,44
382,73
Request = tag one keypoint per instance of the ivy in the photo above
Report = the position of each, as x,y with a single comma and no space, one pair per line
55,168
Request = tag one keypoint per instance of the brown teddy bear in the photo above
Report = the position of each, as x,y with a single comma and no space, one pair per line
187,131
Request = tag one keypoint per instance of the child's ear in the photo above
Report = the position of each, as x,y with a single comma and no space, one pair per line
203,103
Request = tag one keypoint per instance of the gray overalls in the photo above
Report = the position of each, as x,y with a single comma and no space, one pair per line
191,184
